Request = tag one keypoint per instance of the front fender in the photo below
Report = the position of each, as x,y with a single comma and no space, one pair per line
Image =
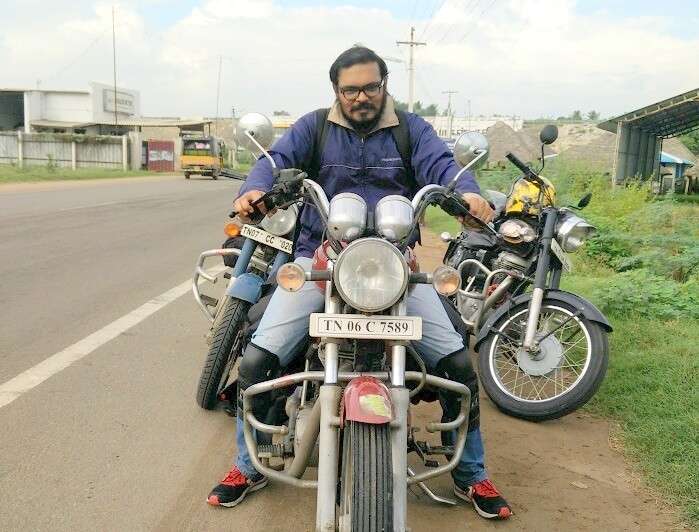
589,311
368,400
247,287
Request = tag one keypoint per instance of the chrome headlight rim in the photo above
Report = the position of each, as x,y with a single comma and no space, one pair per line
351,249
565,228
281,222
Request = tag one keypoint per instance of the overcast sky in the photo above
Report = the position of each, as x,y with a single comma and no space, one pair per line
525,57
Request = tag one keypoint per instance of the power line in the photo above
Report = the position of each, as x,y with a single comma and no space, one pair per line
469,7
77,58
463,37
434,12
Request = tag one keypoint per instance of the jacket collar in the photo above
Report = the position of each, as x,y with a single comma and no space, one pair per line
387,119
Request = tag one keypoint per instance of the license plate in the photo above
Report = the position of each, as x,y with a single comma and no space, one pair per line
562,256
368,327
263,237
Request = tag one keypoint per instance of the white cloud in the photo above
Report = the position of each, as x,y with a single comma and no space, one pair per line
527,57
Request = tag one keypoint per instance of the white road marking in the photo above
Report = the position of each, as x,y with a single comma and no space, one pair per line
29,379
94,206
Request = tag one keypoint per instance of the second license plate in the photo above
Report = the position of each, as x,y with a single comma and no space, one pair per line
368,327
263,237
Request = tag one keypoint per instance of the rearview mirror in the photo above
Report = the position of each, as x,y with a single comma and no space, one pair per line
585,200
469,147
257,126
548,134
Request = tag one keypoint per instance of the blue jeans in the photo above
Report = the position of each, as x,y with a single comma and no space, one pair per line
284,327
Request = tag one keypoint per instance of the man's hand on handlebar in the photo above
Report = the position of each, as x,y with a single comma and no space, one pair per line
244,204
478,207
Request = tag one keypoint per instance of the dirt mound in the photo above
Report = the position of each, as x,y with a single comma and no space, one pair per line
524,144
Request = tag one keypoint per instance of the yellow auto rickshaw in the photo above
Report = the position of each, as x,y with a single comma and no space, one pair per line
202,155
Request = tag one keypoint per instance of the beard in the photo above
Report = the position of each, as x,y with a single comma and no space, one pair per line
363,126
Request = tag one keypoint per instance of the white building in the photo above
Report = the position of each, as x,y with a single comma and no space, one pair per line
450,127
67,111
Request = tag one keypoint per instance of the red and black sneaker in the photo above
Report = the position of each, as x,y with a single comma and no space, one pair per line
486,499
233,489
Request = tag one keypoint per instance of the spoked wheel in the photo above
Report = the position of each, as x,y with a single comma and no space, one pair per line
366,489
559,377
225,346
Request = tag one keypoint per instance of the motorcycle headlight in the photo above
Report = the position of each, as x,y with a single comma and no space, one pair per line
572,231
517,231
347,216
281,222
393,217
371,274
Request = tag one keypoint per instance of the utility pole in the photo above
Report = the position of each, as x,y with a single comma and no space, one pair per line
116,120
411,66
450,113
218,92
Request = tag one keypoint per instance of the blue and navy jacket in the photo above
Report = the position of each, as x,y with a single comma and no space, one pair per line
368,165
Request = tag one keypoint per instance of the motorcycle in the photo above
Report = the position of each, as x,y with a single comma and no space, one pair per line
347,410
541,354
252,255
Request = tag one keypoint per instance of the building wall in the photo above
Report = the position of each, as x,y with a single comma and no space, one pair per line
461,124
33,108
102,97
66,107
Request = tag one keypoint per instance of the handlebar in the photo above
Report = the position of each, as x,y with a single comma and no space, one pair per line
519,164
285,191
454,205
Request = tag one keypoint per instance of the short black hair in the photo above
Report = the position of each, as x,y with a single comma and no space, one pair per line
355,56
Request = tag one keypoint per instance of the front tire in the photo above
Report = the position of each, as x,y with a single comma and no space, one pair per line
366,495
542,390
227,331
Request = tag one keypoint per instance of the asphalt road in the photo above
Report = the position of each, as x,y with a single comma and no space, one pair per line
106,443
115,441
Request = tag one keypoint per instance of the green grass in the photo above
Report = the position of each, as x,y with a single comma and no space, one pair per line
652,385
13,174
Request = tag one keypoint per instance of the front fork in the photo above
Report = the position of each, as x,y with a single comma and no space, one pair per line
542,271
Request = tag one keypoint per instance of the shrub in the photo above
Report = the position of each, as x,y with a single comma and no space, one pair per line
646,294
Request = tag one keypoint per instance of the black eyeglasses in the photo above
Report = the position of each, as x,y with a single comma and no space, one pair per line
371,90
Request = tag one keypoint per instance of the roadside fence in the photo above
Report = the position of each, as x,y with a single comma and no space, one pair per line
64,150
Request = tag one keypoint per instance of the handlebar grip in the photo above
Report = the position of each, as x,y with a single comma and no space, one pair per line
454,205
256,216
519,164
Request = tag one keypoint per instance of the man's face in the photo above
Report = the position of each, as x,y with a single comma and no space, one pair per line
362,110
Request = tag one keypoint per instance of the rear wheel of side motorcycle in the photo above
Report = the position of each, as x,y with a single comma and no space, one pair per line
227,332
571,368
366,484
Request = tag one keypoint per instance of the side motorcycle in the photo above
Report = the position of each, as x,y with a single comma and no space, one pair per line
252,255
541,353
348,410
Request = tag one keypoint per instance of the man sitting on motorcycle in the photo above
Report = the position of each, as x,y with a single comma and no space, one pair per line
360,155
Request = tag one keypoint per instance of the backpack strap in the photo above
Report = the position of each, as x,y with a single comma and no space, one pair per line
318,141
401,136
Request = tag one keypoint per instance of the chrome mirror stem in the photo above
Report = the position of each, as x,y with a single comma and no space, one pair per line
264,152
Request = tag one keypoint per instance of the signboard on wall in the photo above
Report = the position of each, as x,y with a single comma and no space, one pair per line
124,102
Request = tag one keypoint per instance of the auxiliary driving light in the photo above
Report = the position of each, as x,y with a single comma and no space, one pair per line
291,277
446,280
